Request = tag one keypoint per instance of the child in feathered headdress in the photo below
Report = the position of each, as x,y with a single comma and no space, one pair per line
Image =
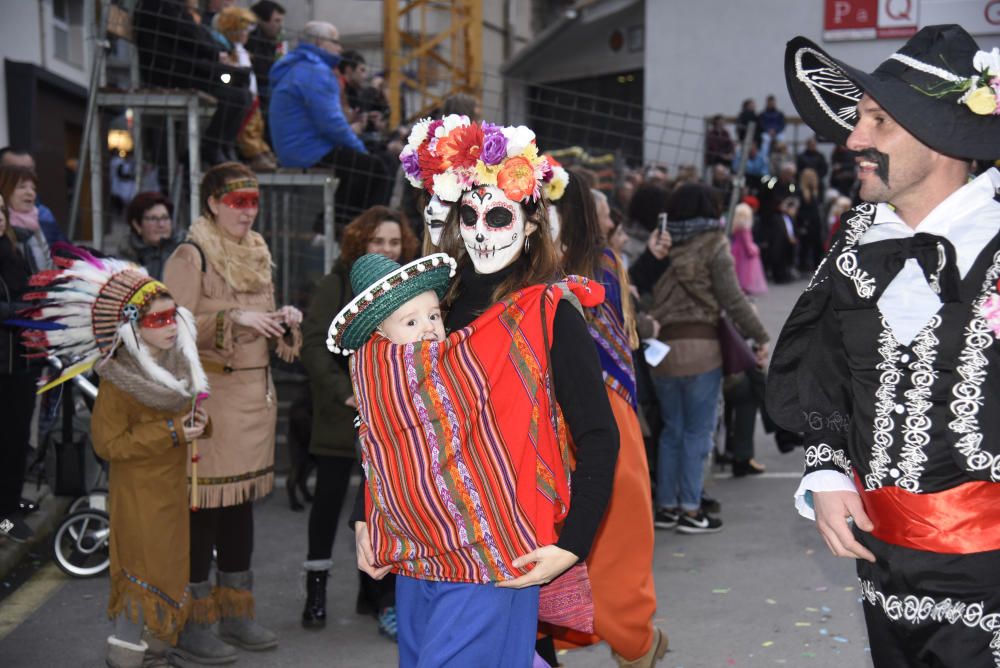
109,315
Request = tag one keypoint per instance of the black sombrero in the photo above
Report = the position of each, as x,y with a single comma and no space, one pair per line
919,86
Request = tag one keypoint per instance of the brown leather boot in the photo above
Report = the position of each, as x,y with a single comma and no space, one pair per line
656,652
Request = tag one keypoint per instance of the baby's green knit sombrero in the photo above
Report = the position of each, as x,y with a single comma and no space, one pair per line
382,286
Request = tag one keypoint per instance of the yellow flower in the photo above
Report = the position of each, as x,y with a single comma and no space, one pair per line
982,101
531,152
555,188
486,175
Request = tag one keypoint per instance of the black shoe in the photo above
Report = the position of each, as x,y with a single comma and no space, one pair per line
666,518
363,606
27,507
16,529
314,614
710,505
745,468
700,523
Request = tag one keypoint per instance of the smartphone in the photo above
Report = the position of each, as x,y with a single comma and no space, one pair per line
662,220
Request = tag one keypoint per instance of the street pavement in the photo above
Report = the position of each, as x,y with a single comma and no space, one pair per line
765,591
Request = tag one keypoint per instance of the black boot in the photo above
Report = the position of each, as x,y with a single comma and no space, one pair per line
314,614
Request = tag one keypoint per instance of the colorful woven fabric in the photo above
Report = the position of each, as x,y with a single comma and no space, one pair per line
464,466
607,326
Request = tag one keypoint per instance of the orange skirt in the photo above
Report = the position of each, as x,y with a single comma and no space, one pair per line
621,560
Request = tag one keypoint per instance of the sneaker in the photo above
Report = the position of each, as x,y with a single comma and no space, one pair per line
16,529
700,523
666,518
387,625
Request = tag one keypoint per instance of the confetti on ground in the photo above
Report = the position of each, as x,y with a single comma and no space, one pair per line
803,624
824,632
809,655
767,643
679,555
822,588
730,662
826,610
848,588
841,639
812,609
721,590
771,601
810,551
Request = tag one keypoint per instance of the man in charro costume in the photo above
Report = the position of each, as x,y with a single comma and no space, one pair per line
889,361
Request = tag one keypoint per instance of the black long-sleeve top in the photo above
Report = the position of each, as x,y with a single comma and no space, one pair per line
579,389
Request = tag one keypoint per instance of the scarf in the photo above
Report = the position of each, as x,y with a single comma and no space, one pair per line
684,230
26,220
464,451
245,265
129,375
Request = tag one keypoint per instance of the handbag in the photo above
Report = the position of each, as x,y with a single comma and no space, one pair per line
737,356
568,601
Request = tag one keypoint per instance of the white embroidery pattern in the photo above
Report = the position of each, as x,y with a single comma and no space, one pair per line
885,403
828,85
847,261
917,423
916,610
817,455
968,392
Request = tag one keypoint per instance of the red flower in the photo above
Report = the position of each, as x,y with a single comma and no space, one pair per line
461,147
429,166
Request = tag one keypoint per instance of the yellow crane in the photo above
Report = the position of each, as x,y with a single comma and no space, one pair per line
433,47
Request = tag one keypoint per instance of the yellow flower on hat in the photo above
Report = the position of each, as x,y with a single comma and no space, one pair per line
486,175
982,101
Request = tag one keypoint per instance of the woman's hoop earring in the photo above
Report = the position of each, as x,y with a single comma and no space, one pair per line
527,244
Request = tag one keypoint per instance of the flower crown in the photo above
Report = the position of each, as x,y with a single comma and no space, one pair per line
451,155
980,92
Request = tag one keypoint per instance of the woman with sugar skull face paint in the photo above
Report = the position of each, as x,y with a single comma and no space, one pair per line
498,229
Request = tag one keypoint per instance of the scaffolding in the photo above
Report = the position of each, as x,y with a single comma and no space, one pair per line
433,48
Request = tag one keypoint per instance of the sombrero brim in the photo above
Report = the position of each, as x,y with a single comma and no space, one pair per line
361,316
826,92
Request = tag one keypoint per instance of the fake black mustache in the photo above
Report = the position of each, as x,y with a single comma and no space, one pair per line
881,161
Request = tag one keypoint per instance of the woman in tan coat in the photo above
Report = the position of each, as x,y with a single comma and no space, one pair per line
222,274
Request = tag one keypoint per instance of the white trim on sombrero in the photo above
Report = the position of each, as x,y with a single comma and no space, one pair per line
417,266
938,72
832,79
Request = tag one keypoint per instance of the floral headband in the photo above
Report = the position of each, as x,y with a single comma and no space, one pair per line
451,155
239,184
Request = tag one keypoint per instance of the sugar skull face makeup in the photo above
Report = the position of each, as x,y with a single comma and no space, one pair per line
435,214
492,228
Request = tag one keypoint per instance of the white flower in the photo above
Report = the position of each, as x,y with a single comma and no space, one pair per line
419,133
517,139
987,60
449,123
447,187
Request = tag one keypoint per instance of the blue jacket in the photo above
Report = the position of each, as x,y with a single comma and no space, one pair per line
304,113
50,228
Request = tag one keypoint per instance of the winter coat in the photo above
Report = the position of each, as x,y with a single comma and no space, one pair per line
14,275
305,116
151,257
329,378
237,463
174,50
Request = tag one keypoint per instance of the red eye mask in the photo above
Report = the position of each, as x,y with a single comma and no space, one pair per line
241,200
159,319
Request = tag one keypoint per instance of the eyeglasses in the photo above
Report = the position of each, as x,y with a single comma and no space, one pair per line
241,200
156,219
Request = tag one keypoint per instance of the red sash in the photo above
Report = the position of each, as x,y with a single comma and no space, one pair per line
960,520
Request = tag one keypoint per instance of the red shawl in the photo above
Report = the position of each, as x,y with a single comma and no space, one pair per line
465,456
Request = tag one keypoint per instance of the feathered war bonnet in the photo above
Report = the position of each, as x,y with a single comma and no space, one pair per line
88,306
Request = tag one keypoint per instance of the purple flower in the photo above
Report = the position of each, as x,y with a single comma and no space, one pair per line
494,148
411,164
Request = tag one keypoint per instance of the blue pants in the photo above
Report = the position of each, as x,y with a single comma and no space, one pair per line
687,406
459,625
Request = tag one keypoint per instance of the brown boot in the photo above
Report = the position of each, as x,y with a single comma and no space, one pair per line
656,652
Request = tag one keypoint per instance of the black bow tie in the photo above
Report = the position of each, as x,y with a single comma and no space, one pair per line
936,257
